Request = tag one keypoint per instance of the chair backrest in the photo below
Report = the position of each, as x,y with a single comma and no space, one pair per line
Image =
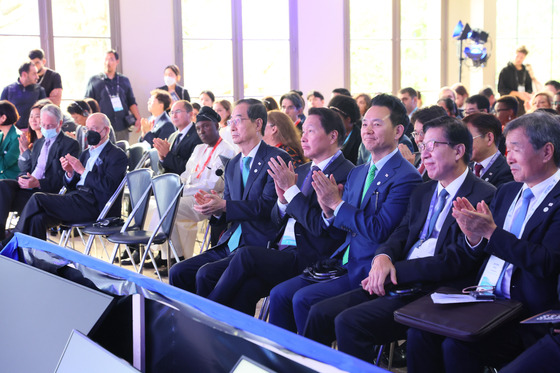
154,161
138,182
135,154
167,192
123,144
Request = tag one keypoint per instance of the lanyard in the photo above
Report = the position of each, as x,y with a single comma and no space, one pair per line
348,137
107,89
207,160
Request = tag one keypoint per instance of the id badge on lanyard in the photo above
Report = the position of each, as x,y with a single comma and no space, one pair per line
117,104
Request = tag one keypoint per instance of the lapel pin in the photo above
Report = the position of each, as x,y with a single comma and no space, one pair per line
255,170
545,209
550,204
379,183
486,179
259,163
386,175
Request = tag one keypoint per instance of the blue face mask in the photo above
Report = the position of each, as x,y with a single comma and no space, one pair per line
50,133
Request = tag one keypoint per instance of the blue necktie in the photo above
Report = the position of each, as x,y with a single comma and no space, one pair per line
233,242
306,187
439,207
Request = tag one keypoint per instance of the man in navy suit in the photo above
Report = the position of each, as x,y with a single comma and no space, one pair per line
487,161
426,250
174,153
159,125
42,171
373,203
249,196
520,231
91,181
302,238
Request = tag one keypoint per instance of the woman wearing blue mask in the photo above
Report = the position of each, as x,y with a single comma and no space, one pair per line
9,143
171,78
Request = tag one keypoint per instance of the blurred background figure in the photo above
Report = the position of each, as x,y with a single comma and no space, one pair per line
315,99
9,143
206,98
364,103
171,78
281,133
270,103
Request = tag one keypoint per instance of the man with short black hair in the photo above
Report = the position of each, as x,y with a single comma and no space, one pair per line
553,86
24,93
477,104
489,94
292,105
113,92
409,98
556,102
316,99
159,124
48,79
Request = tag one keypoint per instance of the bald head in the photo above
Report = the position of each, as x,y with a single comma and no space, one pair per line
98,122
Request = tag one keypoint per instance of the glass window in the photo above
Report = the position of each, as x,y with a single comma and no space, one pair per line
19,34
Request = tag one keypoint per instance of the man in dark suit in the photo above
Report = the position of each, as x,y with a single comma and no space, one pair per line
159,125
42,172
520,231
175,152
91,181
372,205
249,196
302,238
426,250
487,161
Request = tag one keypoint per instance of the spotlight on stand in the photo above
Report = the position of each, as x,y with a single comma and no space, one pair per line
475,53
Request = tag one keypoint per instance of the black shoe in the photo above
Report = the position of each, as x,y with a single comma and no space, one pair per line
399,356
53,231
163,271
135,257
159,261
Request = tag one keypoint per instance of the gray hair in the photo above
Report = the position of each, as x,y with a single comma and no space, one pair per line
52,110
100,117
541,128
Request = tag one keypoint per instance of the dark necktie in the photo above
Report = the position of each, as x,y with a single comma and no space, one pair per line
177,141
477,168
306,187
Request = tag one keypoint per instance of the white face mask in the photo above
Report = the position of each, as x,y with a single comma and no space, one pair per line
169,81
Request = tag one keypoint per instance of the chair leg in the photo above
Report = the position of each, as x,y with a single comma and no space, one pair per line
89,243
263,314
379,354
148,252
391,354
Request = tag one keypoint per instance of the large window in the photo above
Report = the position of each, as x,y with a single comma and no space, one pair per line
372,64
535,25
19,33
241,51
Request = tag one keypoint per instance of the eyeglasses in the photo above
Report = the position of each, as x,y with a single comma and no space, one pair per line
236,121
430,145
554,103
474,137
416,134
177,112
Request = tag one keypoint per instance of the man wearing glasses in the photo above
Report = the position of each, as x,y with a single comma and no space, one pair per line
249,196
477,104
426,250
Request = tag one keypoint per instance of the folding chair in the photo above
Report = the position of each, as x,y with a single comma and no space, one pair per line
167,190
136,156
123,144
138,181
154,161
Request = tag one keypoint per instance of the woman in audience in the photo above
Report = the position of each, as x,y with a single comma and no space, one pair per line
223,108
33,134
280,132
80,110
364,102
207,98
449,105
93,104
270,103
541,100
171,76
9,143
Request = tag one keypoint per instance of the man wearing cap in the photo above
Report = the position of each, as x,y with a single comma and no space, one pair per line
249,195
175,152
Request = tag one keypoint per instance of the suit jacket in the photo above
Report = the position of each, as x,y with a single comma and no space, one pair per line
105,176
370,222
499,172
313,241
536,256
351,147
53,179
250,206
177,158
452,258
163,132
9,153
180,91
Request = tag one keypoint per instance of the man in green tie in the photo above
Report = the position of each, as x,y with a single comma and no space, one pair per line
426,250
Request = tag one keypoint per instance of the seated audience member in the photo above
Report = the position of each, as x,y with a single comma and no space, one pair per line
506,110
487,161
159,125
541,100
80,110
349,112
520,232
93,104
423,253
281,133
24,93
195,109
476,104
270,103
29,138
409,98
302,238
373,203
316,99
541,357
364,103
200,173
9,141
249,195
223,108
174,152
419,119
47,78
461,94
207,98
447,92
449,106
291,104
556,102
43,171
91,181
171,78
340,91
552,86
489,94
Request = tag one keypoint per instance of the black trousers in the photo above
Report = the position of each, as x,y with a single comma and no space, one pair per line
12,198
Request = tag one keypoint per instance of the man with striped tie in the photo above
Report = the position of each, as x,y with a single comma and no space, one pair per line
520,232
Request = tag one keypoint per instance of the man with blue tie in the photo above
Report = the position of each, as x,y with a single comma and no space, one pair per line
302,239
425,251
520,232
373,203
249,195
